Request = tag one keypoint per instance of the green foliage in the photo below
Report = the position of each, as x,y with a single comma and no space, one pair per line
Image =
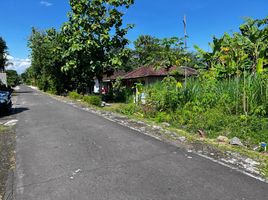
94,36
128,109
90,44
119,91
164,117
213,105
45,71
3,54
157,52
244,51
92,99
89,99
13,78
164,96
75,95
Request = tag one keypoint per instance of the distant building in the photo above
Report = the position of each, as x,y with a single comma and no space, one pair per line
107,81
148,75
3,78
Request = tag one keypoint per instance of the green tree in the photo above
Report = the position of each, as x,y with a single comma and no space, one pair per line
95,38
157,52
246,50
146,48
46,54
256,32
13,78
3,54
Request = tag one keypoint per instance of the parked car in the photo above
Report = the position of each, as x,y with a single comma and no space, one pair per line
5,101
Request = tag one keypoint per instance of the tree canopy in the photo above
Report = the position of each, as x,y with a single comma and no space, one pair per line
246,50
3,54
90,44
158,52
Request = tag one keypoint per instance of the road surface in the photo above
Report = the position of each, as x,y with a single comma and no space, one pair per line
65,153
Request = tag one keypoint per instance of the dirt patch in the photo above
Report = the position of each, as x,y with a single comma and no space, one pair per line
7,158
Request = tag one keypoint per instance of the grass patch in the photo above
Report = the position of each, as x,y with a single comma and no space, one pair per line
94,100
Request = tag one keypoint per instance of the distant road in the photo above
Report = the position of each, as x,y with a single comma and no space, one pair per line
64,153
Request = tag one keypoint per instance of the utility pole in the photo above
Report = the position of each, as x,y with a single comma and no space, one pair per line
185,32
185,48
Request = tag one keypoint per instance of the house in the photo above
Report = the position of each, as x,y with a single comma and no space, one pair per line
3,78
148,75
108,80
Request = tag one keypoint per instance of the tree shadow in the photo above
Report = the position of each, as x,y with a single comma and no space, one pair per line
13,111
23,92
18,110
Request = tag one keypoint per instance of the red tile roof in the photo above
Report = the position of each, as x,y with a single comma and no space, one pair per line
114,76
147,71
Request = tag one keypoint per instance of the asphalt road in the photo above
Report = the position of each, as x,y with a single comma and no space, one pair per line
64,153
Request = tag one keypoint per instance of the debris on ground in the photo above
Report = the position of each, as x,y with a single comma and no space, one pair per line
11,122
74,173
223,139
201,133
182,139
165,124
236,141
264,145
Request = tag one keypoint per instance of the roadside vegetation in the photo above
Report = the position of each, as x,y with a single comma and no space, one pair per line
13,79
229,96
3,54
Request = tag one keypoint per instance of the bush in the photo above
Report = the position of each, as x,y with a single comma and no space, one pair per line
149,110
92,100
119,92
164,117
75,95
128,109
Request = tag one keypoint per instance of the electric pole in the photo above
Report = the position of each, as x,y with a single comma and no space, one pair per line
185,31
185,48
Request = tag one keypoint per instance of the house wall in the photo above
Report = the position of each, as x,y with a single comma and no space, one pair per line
3,78
151,80
96,86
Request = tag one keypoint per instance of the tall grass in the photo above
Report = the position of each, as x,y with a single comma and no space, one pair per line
236,106
238,95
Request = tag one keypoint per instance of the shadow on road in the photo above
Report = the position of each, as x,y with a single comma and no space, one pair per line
18,110
23,92
14,111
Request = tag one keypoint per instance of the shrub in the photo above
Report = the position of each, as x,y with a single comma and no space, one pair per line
92,100
149,110
128,109
120,91
164,117
75,95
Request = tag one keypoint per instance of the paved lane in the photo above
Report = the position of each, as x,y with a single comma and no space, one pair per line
64,153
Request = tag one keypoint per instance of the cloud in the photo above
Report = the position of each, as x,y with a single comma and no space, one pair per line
18,64
46,3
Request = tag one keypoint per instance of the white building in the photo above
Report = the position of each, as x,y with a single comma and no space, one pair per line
3,78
